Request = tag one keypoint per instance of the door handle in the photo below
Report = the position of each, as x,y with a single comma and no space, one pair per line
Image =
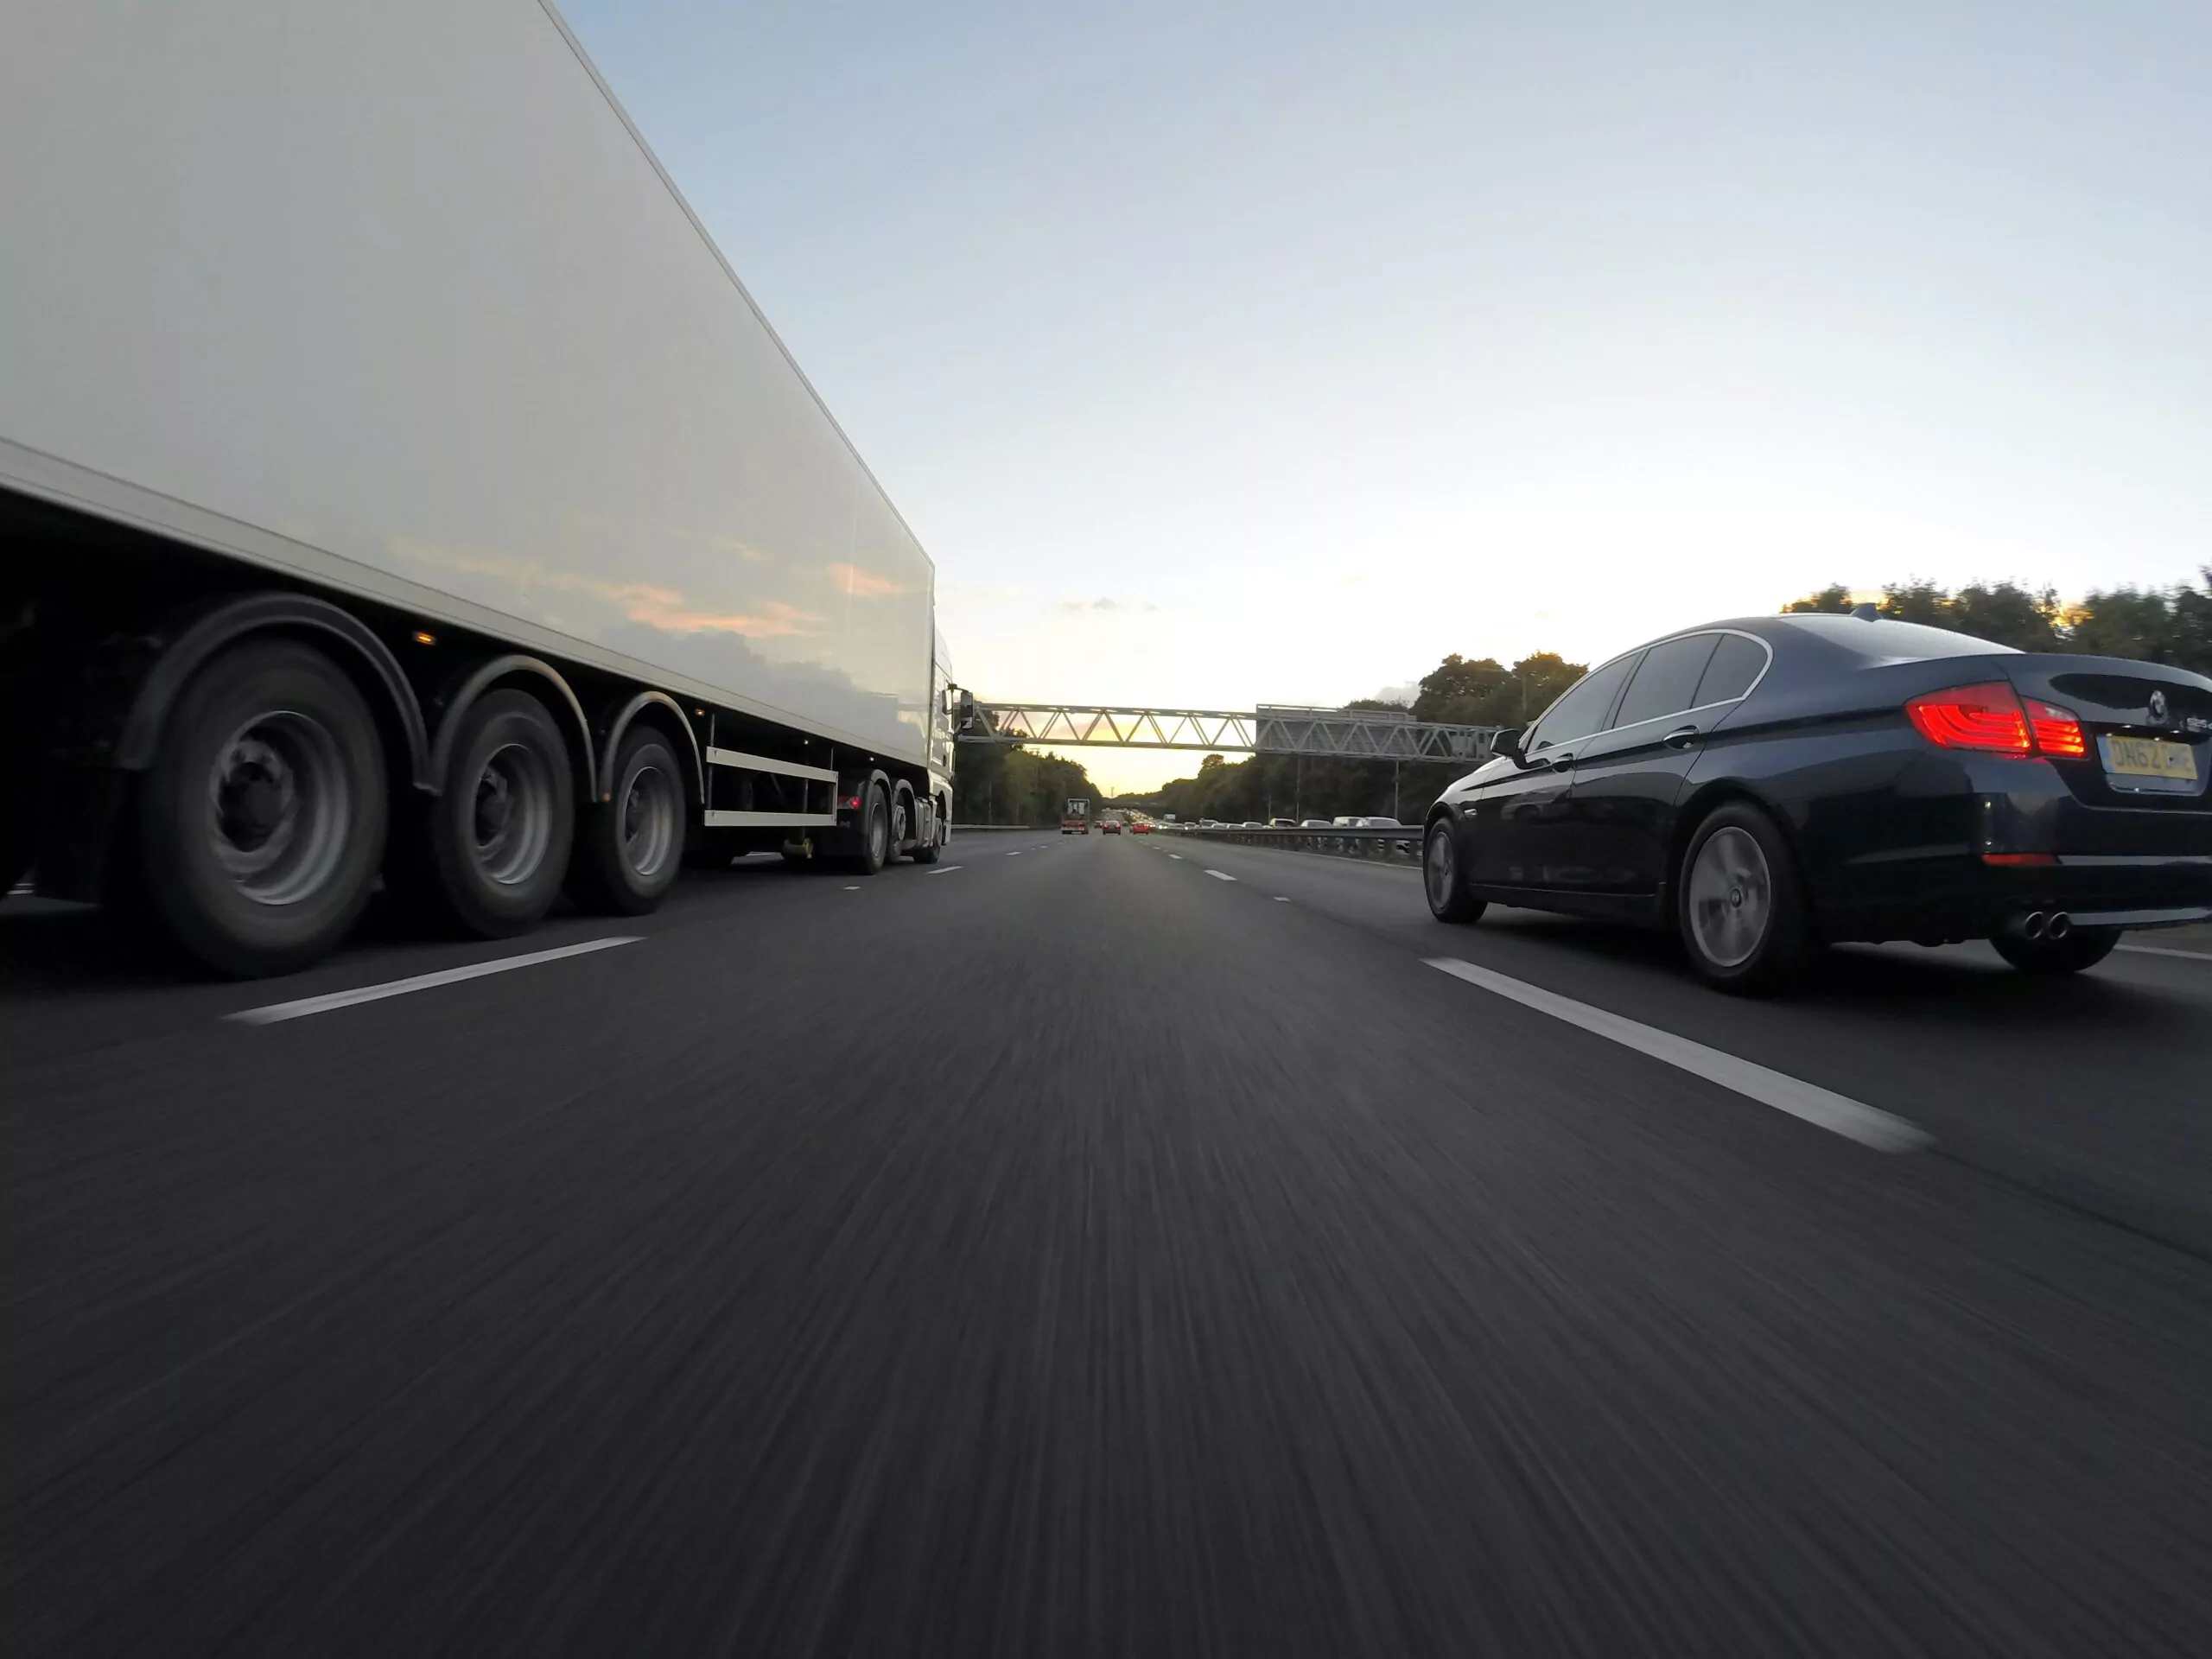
1681,738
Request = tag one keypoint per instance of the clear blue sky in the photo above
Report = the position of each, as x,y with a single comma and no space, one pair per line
1244,352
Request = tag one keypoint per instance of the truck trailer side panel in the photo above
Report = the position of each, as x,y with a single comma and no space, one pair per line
393,298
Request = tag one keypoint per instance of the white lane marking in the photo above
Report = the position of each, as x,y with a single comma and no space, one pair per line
1016,853
1178,857
307,1005
1862,1123
1220,875
948,870
2165,950
21,889
1282,897
852,889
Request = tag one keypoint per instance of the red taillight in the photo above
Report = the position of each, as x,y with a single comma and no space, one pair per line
852,801
1991,717
2010,859
1987,718
2057,731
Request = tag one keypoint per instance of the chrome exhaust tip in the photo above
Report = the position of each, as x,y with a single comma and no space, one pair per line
2031,924
2058,926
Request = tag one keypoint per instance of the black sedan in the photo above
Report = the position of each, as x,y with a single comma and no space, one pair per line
1769,785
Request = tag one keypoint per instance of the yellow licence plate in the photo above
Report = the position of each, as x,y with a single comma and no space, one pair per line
2147,757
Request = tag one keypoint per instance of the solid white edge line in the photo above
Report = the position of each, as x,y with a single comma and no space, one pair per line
307,1005
2165,950
948,870
1220,875
1838,1113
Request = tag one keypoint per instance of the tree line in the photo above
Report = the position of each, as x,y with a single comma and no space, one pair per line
1011,785
2157,624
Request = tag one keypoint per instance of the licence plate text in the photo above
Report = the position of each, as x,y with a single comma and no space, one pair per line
2147,760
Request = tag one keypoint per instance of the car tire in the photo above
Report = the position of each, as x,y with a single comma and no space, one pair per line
2083,947
874,834
631,848
1740,907
498,839
261,824
1443,880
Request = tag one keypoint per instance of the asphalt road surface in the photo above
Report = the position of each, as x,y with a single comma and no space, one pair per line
1072,1250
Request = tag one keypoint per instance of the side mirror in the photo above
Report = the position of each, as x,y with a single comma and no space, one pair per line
1509,745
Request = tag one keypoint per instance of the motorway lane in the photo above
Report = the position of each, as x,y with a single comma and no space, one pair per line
2091,1089
1152,1267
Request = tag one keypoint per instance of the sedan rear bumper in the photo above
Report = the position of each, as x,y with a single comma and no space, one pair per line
1957,894
1989,840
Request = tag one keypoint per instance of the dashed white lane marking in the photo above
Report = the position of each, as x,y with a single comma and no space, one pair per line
948,870
307,1005
1220,875
1178,857
1282,897
852,889
2165,950
1862,1123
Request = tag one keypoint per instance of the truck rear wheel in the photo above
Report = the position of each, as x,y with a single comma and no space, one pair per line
632,845
929,851
261,823
499,837
875,834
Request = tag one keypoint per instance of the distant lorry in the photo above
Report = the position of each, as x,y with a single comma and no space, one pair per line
1075,821
395,478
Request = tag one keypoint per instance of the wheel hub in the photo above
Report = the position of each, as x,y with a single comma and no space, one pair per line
494,806
277,804
512,822
1730,900
256,796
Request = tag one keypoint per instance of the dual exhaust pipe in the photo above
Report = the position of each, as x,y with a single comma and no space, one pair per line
2038,925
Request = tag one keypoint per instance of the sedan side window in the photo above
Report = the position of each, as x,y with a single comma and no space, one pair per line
1739,662
1582,710
1666,684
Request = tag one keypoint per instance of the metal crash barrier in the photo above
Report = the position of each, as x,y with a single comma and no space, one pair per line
1398,846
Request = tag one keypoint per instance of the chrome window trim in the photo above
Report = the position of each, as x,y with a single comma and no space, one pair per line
1652,644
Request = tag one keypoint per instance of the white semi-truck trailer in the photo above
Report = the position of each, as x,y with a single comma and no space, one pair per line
396,481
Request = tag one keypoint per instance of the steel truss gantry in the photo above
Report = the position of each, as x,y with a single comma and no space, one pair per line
1342,734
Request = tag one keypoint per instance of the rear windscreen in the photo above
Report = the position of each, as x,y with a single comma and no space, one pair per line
1894,642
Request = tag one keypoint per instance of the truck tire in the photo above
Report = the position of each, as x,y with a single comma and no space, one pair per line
498,838
929,854
261,823
875,834
18,824
631,848
19,766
